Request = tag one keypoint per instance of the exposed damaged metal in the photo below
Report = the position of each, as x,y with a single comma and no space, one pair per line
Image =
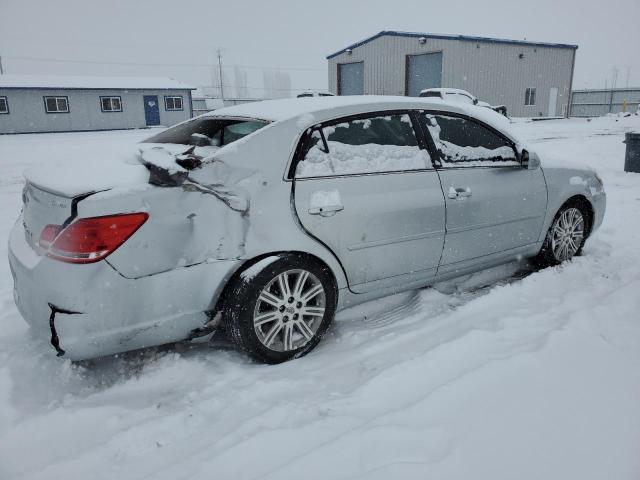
55,341
228,196
210,327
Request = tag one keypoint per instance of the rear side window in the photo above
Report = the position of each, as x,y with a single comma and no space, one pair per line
461,142
374,144
213,131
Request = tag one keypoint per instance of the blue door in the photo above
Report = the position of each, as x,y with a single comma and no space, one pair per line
151,110
423,71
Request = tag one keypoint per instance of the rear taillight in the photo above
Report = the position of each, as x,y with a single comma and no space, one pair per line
89,240
48,235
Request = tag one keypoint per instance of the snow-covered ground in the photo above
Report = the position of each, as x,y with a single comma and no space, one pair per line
507,374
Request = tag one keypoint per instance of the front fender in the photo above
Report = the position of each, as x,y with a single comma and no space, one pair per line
565,183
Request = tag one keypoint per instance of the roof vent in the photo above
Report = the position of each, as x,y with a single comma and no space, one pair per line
349,51
422,40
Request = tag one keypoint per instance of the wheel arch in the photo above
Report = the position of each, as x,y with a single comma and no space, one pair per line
219,304
581,201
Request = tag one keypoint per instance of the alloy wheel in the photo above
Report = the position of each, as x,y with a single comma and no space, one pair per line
567,234
289,310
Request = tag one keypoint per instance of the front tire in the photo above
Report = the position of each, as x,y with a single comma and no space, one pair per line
281,307
566,236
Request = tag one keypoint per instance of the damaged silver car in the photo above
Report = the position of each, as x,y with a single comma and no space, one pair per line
262,220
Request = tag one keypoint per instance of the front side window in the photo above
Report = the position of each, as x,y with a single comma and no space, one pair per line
530,96
462,142
173,103
4,105
374,144
56,104
111,104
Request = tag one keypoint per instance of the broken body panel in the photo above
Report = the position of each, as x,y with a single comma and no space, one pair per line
210,210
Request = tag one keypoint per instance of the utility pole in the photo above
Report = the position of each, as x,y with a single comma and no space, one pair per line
628,74
220,73
1,70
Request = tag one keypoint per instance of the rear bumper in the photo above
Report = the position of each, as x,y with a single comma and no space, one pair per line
114,313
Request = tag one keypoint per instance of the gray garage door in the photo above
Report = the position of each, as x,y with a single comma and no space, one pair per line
423,71
351,78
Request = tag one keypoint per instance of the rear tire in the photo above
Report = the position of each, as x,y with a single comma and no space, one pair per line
566,236
280,307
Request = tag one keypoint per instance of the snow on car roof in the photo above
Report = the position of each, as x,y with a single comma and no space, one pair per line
284,109
311,110
86,82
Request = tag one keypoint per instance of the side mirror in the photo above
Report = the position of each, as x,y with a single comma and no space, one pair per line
530,161
475,101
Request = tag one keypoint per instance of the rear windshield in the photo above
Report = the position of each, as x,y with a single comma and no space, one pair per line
214,131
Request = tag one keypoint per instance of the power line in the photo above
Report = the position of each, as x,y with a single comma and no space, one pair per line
144,64
95,62
173,44
202,65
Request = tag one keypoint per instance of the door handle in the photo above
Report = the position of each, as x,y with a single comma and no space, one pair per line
326,210
459,192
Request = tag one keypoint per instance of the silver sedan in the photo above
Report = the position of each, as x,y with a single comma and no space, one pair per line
262,220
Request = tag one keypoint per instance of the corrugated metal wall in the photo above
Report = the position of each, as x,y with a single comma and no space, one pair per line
27,112
493,72
594,103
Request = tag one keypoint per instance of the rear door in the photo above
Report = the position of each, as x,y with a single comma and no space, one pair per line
494,205
367,189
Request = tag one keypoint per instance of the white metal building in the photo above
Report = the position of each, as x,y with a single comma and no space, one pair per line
531,79
35,103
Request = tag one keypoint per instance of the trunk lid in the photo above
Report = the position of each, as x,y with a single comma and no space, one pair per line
52,192
41,208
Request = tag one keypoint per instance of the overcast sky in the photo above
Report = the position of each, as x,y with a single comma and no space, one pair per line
180,38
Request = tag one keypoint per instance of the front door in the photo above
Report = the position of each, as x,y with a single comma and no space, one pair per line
494,205
151,110
367,190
